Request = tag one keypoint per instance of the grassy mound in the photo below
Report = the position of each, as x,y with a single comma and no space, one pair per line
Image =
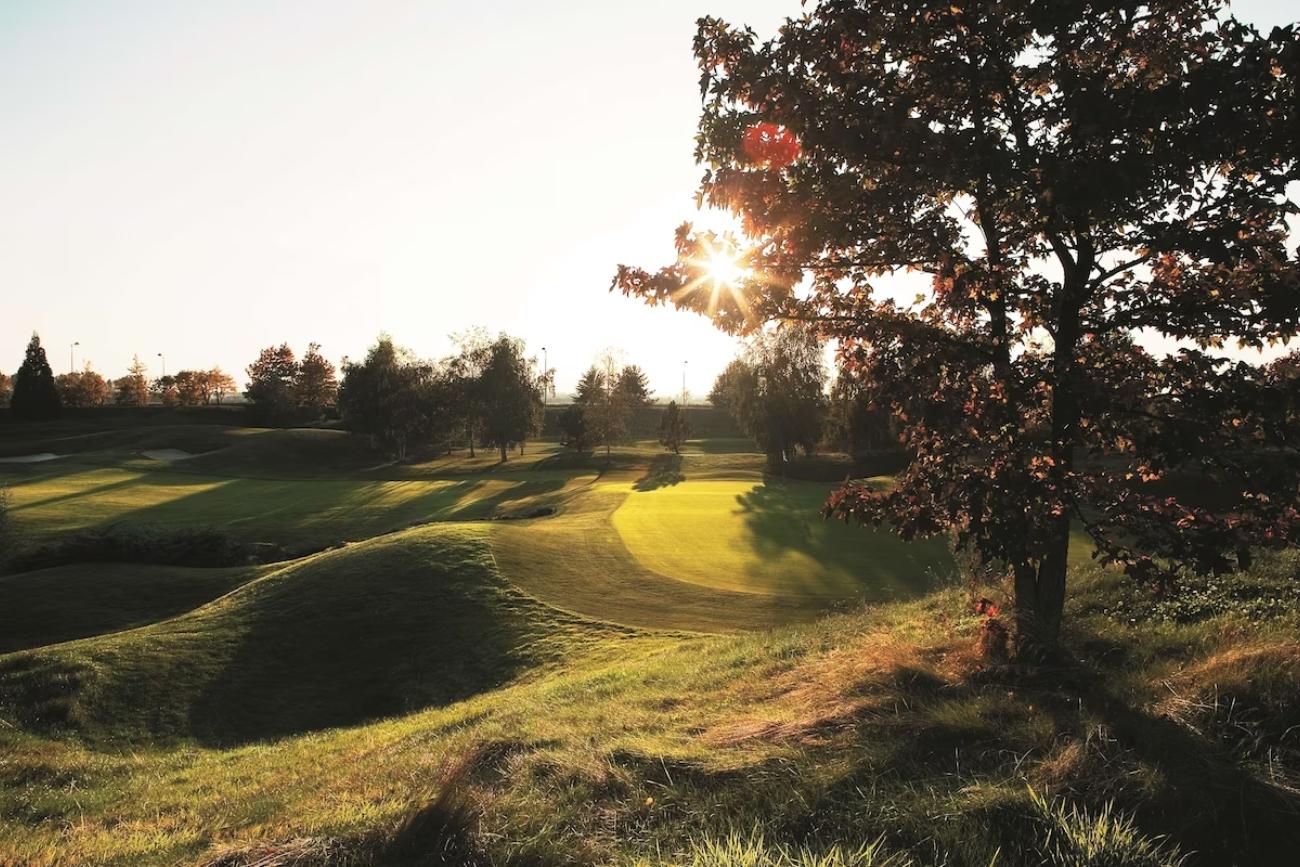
49,606
382,627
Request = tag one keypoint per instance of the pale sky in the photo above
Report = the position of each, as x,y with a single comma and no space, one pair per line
205,179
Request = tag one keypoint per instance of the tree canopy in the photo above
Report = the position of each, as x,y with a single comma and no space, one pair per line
1053,180
35,396
775,391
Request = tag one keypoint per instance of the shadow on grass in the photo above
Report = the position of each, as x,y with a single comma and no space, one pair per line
664,471
785,517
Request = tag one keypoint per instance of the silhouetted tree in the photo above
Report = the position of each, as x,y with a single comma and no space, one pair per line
83,388
465,370
776,391
164,388
6,389
132,389
852,424
673,428
396,400
35,396
192,387
1069,175
219,384
573,428
272,380
509,393
316,384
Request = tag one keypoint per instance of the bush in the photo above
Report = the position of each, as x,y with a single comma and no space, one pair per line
142,543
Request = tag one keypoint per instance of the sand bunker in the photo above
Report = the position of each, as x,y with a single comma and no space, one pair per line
166,455
30,459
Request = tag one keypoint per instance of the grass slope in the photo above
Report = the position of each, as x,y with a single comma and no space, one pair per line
382,627
656,749
49,606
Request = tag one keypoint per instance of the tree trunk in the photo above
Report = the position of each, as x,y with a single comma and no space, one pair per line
504,455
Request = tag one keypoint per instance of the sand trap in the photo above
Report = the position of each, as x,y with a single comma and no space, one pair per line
166,455
30,459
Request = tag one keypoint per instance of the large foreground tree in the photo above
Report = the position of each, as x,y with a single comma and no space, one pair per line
1062,178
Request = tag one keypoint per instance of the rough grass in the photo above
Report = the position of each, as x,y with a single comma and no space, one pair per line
880,725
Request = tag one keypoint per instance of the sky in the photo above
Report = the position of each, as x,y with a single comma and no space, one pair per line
204,179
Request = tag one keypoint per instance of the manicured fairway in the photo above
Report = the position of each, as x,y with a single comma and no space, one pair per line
302,513
770,539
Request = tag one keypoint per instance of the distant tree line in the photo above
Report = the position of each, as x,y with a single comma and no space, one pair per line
489,393
34,393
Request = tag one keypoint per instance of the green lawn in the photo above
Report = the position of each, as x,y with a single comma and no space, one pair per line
769,538
549,671
299,514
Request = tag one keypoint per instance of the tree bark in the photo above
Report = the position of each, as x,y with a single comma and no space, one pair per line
504,455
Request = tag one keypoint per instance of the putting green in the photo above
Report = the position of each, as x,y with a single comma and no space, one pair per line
771,539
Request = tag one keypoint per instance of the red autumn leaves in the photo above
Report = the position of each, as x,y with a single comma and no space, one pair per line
770,144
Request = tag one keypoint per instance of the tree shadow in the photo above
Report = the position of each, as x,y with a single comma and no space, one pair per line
664,471
785,517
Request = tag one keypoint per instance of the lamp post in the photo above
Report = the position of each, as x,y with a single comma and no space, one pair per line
72,356
164,364
546,375
684,363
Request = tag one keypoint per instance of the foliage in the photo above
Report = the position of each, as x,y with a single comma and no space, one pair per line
6,389
272,383
573,428
166,390
84,388
775,391
315,386
465,372
673,428
132,389
510,394
394,399
853,425
609,394
1068,176
35,396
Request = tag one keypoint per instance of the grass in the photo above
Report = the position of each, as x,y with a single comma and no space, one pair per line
50,606
377,628
875,725
544,691
768,538
302,515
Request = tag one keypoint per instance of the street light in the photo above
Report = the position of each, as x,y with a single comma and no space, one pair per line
72,356
546,375
164,364
684,363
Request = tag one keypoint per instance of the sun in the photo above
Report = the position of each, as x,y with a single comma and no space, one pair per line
724,269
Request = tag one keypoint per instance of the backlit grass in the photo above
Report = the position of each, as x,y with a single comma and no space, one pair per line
769,538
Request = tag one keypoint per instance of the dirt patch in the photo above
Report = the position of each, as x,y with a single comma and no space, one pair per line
30,459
